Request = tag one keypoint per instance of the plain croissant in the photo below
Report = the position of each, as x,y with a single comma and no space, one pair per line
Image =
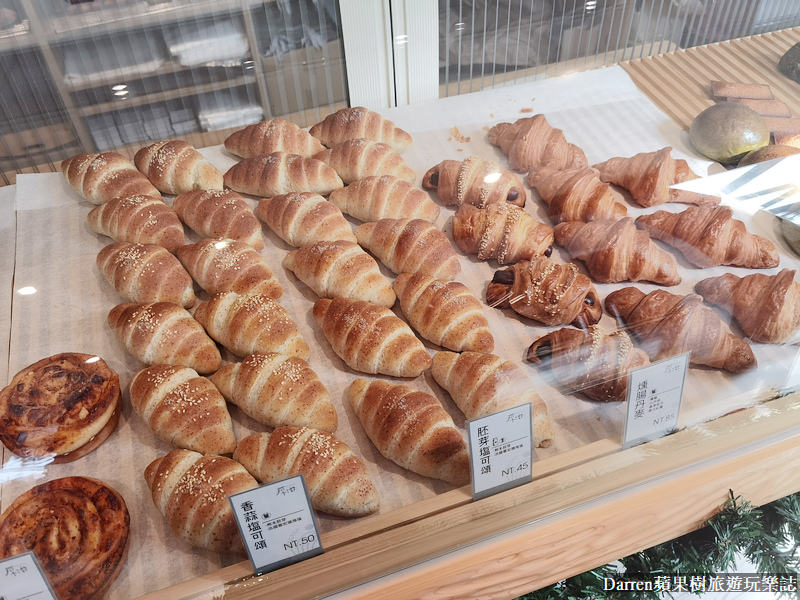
275,389
164,333
710,236
281,173
337,481
139,219
191,491
249,323
474,181
667,325
175,167
767,307
359,122
532,142
145,273
617,251
219,214
649,175
444,312
223,265
275,135
359,158
183,409
412,429
385,197
500,231
482,384
576,195
548,292
371,338
589,360
410,246
304,218
102,177
340,269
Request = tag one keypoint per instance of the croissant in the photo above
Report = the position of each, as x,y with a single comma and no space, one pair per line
767,307
337,481
710,236
590,360
164,333
140,219
474,181
175,167
102,177
667,325
576,195
275,389
303,218
617,251
219,214
249,323
359,158
505,233
482,384
444,312
649,175
411,429
385,197
370,338
229,266
145,273
191,491
410,246
343,269
532,142
183,409
359,122
275,135
547,292
281,173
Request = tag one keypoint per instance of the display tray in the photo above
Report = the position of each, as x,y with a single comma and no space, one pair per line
601,111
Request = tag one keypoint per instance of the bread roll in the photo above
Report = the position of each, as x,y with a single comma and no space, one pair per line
219,214
359,122
223,265
281,173
146,273
102,177
385,197
304,218
183,409
175,167
275,135
138,219
356,159
249,323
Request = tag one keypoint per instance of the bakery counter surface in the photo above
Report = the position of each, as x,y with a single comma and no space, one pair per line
604,113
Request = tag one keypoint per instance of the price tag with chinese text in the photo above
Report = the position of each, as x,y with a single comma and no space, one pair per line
277,524
501,451
21,578
655,393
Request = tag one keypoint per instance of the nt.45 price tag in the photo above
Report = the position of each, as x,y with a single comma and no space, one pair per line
501,451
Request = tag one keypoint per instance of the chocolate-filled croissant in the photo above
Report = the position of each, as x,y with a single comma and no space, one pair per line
667,325
548,292
590,361
474,181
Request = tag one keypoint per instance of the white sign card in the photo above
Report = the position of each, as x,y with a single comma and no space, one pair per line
655,393
22,578
501,451
277,524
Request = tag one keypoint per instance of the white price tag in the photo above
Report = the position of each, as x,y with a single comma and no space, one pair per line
501,451
21,578
655,393
277,524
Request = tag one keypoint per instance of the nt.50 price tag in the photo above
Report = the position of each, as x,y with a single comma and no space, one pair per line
501,451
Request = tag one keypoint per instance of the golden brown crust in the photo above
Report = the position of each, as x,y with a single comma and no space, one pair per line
219,214
103,177
77,527
548,292
589,361
359,122
301,218
386,197
281,173
668,324
175,167
356,159
532,142
337,481
64,405
139,219
275,135
474,181
576,195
